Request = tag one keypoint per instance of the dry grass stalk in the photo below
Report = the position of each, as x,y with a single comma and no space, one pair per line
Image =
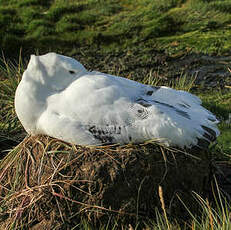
161,196
211,222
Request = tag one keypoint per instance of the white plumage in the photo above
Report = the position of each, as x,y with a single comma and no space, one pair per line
57,96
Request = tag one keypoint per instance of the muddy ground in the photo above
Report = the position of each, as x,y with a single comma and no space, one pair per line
210,71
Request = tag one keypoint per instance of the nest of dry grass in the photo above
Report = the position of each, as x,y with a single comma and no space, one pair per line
46,182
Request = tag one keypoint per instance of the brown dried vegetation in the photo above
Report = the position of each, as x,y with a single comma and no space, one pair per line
47,182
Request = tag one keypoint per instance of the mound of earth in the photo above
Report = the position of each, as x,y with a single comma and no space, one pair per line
46,182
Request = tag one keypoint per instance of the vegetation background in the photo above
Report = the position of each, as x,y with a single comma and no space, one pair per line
169,25
172,42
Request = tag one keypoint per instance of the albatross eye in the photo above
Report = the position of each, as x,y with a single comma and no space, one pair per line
71,72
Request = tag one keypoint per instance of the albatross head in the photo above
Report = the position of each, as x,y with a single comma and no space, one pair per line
54,71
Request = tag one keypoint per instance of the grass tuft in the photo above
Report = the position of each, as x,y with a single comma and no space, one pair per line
11,129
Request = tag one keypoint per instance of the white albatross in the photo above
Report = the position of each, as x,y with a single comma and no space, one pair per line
58,97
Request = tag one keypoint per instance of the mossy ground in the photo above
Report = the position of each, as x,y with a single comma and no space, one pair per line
174,26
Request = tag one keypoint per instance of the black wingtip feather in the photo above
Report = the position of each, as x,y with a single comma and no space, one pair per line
210,133
202,143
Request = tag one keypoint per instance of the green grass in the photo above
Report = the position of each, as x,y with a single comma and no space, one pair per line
171,25
220,104
10,75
